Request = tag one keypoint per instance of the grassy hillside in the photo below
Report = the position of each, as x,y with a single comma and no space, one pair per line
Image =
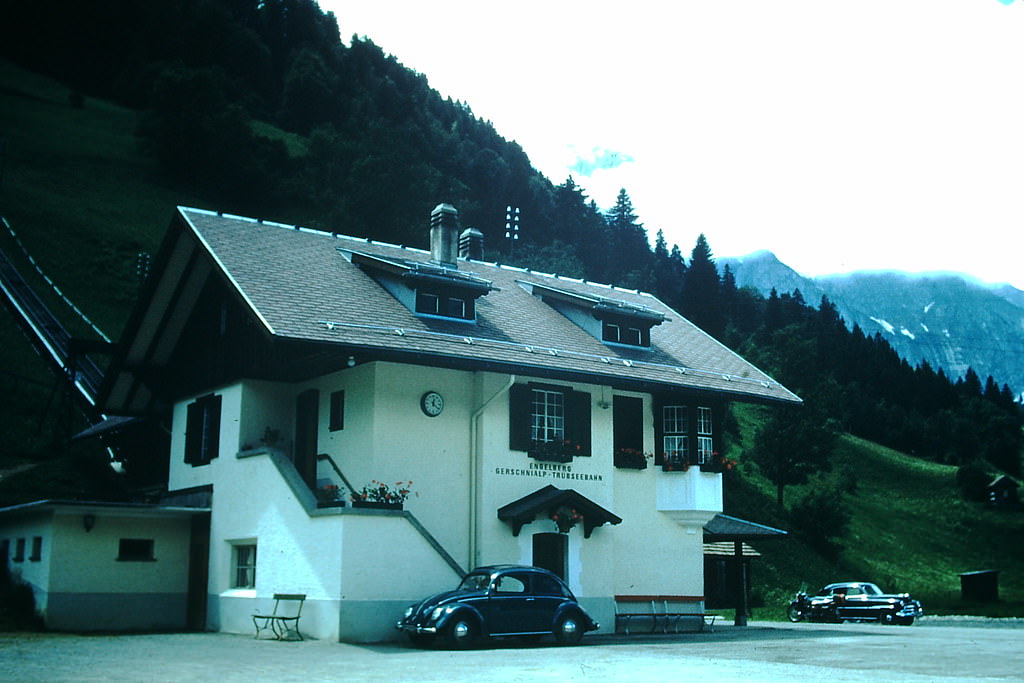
85,201
910,531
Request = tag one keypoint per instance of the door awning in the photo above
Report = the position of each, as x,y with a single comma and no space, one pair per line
556,504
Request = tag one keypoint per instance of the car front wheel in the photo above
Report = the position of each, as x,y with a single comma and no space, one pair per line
794,613
461,632
569,631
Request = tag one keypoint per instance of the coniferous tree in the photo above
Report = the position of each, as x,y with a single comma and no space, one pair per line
702,291
629,253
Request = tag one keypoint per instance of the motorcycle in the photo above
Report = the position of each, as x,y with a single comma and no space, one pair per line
803,607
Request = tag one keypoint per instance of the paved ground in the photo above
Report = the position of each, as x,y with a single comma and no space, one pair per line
936,649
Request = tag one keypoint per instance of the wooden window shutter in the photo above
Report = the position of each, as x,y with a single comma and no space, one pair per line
658,405
519,396
193,433
213,430
628,423
577,405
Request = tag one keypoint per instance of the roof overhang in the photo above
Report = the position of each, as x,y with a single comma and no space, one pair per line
726,528
104,508
548,502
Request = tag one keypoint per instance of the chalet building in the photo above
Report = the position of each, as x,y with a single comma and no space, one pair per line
517,417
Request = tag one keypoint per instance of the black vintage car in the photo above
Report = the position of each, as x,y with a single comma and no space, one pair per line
500,600
855,601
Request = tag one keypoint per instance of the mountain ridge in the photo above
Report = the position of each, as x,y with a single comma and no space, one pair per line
952,321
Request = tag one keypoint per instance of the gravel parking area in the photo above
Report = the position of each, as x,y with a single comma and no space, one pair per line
936,649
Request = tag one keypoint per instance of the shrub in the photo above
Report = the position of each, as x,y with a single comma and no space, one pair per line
821,517
973,482
17,603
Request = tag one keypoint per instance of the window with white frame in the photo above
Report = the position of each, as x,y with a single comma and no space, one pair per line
676,428
705,439
243,570
547,416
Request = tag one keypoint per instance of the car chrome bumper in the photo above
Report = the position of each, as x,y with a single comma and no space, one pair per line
418,630
910,611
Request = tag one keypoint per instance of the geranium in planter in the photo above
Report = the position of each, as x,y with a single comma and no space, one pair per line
717,463
631,458
565,518
377,494
329,496
554,451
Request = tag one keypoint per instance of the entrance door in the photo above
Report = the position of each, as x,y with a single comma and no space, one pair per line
198,572
307,424
549,552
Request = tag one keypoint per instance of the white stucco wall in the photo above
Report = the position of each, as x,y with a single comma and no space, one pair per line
353,568
80,583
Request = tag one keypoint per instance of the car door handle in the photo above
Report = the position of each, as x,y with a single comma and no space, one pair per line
530,599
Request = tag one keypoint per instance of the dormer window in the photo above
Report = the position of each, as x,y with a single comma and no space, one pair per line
613,321
445,305
428,289
621,332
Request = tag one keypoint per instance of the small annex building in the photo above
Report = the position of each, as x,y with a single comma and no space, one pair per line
516,417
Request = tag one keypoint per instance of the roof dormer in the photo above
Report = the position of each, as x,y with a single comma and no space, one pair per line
613,321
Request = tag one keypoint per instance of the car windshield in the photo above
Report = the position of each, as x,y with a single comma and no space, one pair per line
475,582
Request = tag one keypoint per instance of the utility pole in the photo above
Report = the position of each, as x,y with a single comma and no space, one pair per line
511,228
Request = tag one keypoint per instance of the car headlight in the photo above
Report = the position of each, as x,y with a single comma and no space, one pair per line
408,612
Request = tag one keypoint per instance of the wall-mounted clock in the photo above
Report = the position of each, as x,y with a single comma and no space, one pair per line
431,403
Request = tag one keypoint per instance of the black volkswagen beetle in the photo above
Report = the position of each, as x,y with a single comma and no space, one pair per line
499,600
855,601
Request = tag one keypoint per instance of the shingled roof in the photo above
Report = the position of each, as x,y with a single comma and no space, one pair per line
307,285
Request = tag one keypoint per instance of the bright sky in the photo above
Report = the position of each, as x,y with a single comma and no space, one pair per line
875,134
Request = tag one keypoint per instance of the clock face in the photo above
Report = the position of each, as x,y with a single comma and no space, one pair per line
432,403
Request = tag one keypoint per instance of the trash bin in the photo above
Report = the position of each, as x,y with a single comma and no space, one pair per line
980,586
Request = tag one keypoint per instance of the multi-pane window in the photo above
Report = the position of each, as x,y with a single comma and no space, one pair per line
676,428
447,306
705,440
620,333
547,416
244,570
549,422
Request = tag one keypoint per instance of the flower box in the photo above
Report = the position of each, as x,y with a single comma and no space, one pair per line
630,459
554,451
376,505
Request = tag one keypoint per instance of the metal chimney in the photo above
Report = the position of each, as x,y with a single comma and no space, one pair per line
444,230
471,244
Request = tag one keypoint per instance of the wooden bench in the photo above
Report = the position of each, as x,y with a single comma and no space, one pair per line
657,608
281,623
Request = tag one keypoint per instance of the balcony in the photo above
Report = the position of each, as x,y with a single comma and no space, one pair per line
689,497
